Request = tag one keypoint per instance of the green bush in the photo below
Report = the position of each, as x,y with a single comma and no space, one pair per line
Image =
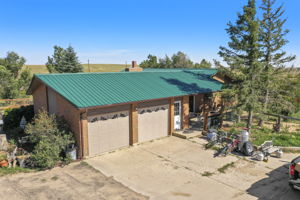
46,154
12,117
51,137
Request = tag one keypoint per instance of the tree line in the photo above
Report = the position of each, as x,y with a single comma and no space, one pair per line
15,79
177,60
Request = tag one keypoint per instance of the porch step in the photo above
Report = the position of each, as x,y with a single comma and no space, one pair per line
187,135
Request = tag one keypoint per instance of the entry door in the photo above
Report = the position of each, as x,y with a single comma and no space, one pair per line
177,115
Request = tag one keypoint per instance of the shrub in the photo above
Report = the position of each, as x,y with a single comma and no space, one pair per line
46,154
51,137
12,117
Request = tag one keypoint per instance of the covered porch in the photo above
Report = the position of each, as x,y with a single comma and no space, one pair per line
205,112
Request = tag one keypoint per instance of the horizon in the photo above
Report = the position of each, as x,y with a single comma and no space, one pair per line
115,32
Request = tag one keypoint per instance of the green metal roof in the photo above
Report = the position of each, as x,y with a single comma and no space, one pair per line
95,89
196,70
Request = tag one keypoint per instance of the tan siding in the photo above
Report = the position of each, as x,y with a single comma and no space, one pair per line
40,98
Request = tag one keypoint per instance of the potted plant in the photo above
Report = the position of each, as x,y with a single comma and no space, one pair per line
3,159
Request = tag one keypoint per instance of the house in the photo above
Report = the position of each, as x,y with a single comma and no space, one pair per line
107,111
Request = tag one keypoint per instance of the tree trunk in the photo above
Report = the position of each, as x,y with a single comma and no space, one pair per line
265,106
238,118
250,117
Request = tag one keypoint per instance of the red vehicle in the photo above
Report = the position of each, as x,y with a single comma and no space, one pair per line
294,181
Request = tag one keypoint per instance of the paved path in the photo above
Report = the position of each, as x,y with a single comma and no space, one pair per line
76,181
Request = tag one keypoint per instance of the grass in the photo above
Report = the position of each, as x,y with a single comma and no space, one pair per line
296,115
42,69
224,168
283,138
7,171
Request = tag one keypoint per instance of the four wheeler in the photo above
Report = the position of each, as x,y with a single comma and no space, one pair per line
294,172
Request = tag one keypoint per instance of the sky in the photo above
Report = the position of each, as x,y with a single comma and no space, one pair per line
116,31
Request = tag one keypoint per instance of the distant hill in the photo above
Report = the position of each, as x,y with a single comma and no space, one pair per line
41,69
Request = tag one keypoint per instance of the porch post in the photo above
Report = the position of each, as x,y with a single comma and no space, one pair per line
185,112
205,112
133,124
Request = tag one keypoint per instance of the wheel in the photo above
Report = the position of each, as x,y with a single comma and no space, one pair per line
210,144
248,149
292,186
223,151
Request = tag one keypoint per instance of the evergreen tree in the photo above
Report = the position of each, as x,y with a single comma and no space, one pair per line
242,55
272,36
64,61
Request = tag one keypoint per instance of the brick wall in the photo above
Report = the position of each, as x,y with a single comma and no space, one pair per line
71,115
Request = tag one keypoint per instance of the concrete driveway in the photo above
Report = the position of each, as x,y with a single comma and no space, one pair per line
173,168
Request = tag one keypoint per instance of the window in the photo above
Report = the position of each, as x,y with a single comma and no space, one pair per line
177,108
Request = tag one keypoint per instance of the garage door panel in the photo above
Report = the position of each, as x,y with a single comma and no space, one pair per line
108,132
153,122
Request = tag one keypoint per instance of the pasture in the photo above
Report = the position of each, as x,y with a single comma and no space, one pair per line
42,69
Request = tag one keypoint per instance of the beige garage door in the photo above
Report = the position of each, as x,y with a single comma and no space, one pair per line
153,121
107,132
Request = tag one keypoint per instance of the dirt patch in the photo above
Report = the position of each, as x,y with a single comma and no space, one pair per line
76,181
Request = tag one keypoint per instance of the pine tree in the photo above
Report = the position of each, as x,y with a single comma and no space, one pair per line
242,55
64,61
272,36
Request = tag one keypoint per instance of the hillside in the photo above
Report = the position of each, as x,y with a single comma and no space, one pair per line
41,69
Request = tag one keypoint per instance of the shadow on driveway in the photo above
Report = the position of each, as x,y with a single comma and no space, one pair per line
275,186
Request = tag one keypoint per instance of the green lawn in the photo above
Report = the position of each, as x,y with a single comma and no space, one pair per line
41,69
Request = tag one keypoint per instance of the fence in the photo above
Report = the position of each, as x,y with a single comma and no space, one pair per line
14,103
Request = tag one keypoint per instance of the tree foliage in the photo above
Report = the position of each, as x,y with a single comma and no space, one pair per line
242,55
64,61
178,60
278,90
14,79
203,64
